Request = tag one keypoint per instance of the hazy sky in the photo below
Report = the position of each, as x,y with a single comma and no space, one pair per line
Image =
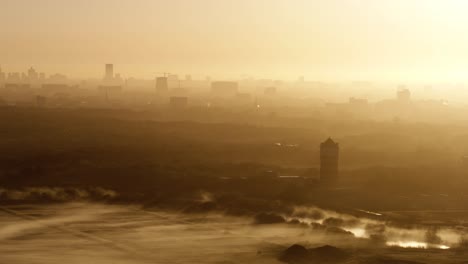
320,39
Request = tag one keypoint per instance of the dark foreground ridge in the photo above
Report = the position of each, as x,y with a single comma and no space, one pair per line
297,254
325,254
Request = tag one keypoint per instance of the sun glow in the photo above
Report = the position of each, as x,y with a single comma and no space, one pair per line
415,244
407,244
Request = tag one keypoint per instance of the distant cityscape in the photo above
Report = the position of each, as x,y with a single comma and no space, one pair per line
271,97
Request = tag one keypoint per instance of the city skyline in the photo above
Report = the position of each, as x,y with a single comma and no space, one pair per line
321,40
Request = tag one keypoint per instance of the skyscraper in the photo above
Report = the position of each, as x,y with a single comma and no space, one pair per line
32,74
329,154
109,75
162,84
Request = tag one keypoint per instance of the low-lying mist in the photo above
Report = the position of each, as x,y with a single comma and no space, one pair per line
114,233
55,194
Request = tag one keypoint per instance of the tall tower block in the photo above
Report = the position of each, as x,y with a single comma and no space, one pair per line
109,73
162,84
329,154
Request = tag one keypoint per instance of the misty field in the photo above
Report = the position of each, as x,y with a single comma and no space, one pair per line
98,233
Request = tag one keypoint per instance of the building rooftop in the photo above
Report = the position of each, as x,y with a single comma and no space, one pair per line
329,142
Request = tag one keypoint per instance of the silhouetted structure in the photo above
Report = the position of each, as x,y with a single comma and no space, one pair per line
109,75
403,94
329,154
162,84
32,74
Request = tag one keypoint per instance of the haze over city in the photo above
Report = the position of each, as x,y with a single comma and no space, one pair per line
416,40
247,131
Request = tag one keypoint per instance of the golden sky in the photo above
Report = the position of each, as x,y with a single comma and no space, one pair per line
320,39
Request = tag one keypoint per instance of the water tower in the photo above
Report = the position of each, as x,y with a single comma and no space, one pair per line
329,154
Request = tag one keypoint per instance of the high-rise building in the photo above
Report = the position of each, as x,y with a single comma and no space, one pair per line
109,75
32,74
403,94
329,154
162,84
